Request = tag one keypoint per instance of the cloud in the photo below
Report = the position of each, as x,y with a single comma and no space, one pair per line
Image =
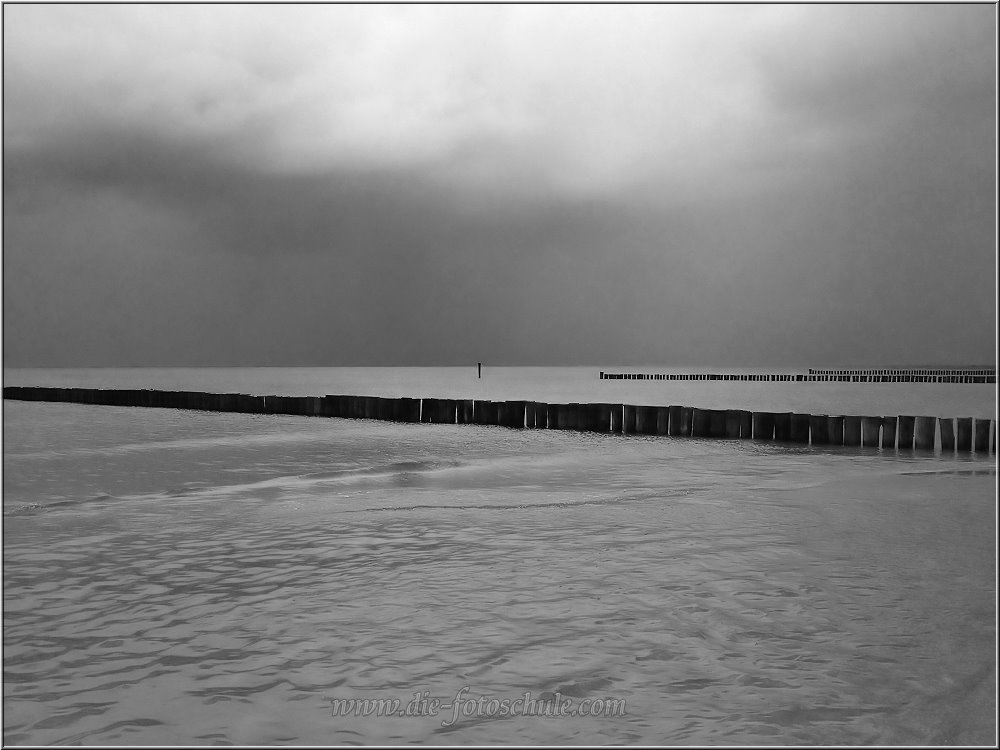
394,184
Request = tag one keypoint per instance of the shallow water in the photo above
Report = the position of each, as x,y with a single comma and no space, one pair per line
188,577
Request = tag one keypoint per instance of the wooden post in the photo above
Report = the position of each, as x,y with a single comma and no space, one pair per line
447,408
640,420
605,416
349,407
675,420
964,440
390,409
889,432
628,427
334,406
360,407
701,420
645,420
552,416
512,414
982,444
480,370
869,431
746,424
923,433
800,428
357,405
783,426
502,415
616,417
569,416
947,427
270,403
429,410
763,425
732,423
662,420
465,411
835,430
818,429
329,406
484,412
717,423
852,430
409,409
904,428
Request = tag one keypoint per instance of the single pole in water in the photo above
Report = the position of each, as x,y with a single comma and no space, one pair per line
480,370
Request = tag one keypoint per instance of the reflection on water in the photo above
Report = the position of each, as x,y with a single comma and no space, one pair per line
174,577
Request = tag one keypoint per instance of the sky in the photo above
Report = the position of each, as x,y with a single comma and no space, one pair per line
739,185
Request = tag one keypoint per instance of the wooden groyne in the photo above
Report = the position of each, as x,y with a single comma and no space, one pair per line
823,376
964,435
922,371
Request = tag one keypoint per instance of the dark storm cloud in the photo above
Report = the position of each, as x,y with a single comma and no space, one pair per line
657,184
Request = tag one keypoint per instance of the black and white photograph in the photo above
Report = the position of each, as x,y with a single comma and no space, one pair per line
499,374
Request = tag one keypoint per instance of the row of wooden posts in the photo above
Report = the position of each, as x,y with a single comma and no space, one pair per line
964,434
913,371
800,378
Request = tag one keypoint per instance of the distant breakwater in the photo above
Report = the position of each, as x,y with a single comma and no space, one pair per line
824,376
962,435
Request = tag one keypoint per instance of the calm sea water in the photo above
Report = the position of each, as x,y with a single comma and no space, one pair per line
189,577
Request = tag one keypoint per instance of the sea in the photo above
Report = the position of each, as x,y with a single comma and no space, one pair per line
185,577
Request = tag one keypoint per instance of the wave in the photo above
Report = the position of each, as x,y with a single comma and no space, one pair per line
30,509
391,472
239,440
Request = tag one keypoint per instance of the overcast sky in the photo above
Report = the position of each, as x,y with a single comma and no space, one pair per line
340,185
